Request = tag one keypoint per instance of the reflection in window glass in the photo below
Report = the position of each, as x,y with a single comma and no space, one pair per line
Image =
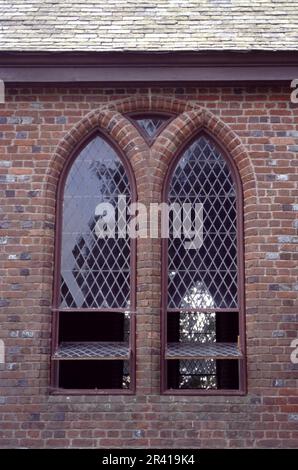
95,272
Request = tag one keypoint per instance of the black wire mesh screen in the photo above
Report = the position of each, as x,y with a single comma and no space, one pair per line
95,270
204,277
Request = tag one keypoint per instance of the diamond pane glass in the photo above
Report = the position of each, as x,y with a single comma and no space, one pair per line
192,327
193,374
95,270
197,374
151,124
205,277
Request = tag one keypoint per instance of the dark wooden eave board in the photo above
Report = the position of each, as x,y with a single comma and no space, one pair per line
148,68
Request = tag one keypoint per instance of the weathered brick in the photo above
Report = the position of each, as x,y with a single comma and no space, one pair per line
24,272
27,224
278,383
278,334
25,256
10,193
272,256
264,154
288,239
5,163
293,417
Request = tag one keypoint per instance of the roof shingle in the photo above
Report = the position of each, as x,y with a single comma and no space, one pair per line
140,25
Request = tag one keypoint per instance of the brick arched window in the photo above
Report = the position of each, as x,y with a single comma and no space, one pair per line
93,347
203,338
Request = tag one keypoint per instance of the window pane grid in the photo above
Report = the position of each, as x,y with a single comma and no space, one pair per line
150,125
94,316
206,277
203,347
95,271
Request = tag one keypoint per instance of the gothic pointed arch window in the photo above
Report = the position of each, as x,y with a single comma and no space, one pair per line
202,283
94,297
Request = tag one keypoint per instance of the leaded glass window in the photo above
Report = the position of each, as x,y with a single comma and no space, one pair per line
95,303
202,317
150,124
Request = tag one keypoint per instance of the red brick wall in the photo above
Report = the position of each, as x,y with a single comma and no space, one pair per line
38,129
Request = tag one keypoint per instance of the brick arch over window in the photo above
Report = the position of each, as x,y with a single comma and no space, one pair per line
115,126
190,118
185,126
110,119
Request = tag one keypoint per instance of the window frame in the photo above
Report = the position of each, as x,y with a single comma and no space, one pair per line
54,379
240,273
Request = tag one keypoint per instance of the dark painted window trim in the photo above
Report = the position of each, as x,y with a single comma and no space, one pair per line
188,68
